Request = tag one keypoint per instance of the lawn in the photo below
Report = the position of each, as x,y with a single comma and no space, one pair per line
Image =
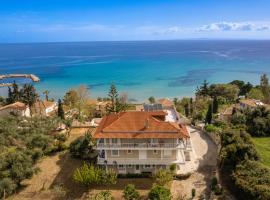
263,148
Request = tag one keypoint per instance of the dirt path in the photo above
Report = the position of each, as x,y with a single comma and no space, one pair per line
206,152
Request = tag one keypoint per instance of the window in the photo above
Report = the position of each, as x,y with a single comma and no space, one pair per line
130,166
121,167
114,140
147,166
115,153
129,151
137,167
155,151
167,153
101,141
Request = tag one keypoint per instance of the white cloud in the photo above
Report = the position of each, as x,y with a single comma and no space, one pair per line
235,26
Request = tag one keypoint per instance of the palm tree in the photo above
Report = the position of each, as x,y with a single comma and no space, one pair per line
46,93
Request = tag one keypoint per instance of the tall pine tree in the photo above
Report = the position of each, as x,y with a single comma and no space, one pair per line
115,105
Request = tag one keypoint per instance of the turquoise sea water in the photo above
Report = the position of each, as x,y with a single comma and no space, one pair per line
141,69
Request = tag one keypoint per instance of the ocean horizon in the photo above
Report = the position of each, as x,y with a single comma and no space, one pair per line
172,68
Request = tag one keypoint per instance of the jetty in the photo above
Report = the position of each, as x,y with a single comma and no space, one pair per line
33,77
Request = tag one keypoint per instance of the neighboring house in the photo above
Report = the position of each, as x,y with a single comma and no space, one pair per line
44,108
250,103
100,106
141,142
17,108
166,103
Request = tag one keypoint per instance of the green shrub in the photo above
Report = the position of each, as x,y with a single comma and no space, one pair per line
212,129
7,187
163,177
159,193
89,174
218,190
141,175
103,195
173,168
130,193
252,180
193,192
214,183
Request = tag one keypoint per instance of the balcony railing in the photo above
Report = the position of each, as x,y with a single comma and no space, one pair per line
141,145
136,161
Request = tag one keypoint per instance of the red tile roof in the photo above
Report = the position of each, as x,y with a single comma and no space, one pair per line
17,105
139,125
165,102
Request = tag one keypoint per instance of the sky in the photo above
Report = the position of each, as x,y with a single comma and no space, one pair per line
114,20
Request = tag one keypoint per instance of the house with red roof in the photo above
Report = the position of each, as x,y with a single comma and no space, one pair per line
17,109
141,142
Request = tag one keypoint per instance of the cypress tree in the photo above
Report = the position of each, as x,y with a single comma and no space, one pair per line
208,117
60,111
10,98
215,105
187,110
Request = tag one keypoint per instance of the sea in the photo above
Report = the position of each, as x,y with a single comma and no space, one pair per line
139,69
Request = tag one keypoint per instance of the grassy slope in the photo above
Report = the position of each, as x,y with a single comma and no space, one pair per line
263,147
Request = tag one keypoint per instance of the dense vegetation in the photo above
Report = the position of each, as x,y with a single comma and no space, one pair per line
256,121
239,159
22,142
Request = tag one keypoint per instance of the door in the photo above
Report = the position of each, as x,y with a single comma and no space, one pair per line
142,154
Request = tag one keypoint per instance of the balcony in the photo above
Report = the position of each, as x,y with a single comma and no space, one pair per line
140,146
137,161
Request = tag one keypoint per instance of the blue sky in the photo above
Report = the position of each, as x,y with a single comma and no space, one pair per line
92,20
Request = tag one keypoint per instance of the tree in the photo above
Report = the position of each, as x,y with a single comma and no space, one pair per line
215,105
175,101
186,110
60,111
203,90
227,91
208,117
152,100
83,96
130,193
71,98
256,93
115,105
159,193
13,94
10,98
46,93
265,88
82,147
29,95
